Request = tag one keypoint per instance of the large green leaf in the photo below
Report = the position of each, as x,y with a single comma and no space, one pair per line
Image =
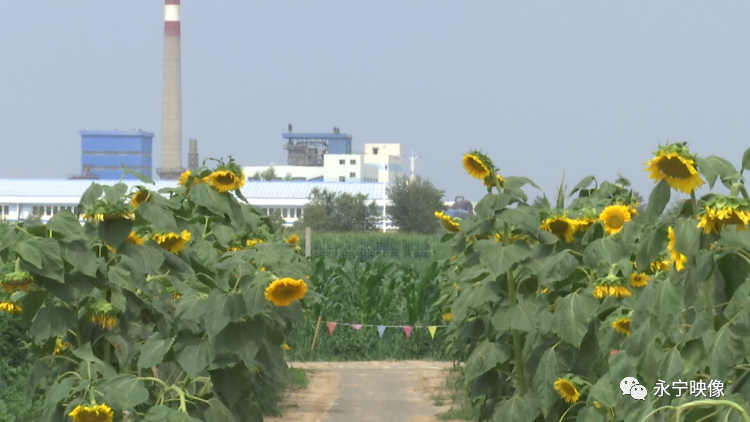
218,412
114,232
53,321
222,309
499,258
168,414
557,267
602,251
516,409
658,200
669,302
206,196
124,391
524,217
28,250
583,184
687,237
523,316
192,353
232,382
573,314
486,356
191,307
727,352
66,224
59,391
672,365
546,374
153,350
158,216
712,167
242,339
651,246
603,391
80,257
474,296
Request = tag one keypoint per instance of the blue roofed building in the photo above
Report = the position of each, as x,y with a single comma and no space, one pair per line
103,153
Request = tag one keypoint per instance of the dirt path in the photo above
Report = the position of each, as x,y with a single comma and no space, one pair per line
393,391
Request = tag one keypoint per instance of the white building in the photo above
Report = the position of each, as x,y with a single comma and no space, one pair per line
388,159
348,168
297,173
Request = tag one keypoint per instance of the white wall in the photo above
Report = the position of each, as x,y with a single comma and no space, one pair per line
297,172
348,168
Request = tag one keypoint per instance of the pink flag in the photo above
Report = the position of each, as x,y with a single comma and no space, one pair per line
356,326
331,327
407,330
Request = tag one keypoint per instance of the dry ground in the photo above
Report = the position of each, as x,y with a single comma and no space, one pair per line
393,391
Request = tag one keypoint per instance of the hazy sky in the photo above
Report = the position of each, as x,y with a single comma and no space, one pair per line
544,87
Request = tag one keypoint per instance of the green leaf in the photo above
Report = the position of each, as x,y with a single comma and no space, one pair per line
168,414
472,297
728,350
603,391
222,309
191,307
121,277
544,380
669,303
222,233
206,196
658,200
80,257
29,251
557,267
140,176
602,251
53,321
59,391
114,232
485,357
499,258
523,316
217,411
712,167
523,217
573,314
651,246
590,414
242,339
687,237
583,184
746,160
124,391
153,351
66,224
158,216
516,409
673,365
192,353
123,351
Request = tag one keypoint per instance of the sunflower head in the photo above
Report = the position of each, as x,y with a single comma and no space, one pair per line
173,242
614,217
675,164
660,265
293,240
448,316
622,325
567,390
227,176
678,260
284,291
10,307
498,181
448,222
638,279
562,226
96,413
140,196
286,347
17,280
254,242
478,165
724,211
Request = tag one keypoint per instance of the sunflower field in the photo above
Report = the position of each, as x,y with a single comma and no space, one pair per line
164,306
553,306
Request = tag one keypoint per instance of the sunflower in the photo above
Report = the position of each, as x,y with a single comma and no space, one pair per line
141,196
638,280
60,346
173,242
17,280
678,260
226,180
133,239
498,181
676,165
622,325
176,297
561,226
476,165
614,218
284,291
286,347
567,390
448,316
585,222
96,413
253,242
600,292
106,321
715,218
293,239
110,216
183,179
455,285
660,265
512,238
448,223
11,307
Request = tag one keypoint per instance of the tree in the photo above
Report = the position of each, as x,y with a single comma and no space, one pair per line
288,176
413,205
267,174
343,212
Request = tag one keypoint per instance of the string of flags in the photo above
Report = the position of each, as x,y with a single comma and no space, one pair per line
381,328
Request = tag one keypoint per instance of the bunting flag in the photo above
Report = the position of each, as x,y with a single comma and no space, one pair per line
432,329
331,327
381,330
356,326
407,330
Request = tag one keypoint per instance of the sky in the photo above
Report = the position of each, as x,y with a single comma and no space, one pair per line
544,88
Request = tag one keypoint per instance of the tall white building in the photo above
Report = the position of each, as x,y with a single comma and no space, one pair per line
387,158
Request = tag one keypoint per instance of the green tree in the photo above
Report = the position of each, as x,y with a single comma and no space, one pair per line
343,212
413,204
268,174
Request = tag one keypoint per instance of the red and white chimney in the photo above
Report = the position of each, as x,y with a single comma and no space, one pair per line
171,122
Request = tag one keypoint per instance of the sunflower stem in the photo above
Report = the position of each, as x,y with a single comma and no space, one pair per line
735,190
18,265
695,204
517,346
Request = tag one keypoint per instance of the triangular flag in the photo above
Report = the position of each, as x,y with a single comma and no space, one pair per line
381,330
356,326
331,327
407,330
432,329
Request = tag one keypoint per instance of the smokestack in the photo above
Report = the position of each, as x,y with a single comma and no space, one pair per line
193,155
171,120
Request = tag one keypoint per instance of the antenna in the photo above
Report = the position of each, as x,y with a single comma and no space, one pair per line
413,159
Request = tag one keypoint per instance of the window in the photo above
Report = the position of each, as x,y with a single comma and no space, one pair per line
284,213
55,210
342,179
374,150
6,210
352,174
49,210
386,167
299,212
342,162
270,211
265,211
352,161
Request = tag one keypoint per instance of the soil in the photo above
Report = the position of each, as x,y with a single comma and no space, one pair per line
393,391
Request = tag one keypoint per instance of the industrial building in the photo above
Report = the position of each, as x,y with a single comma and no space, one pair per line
103,153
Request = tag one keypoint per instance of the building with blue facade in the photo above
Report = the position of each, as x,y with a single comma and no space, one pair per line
103,153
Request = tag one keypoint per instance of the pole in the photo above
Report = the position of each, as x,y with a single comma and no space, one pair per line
315,337
308,241
385,199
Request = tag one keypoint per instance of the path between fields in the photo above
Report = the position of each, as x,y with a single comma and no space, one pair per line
393,391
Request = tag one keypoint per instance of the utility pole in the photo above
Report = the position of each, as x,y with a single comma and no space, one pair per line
413,159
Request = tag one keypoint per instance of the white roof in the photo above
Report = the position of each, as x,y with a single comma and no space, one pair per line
75,188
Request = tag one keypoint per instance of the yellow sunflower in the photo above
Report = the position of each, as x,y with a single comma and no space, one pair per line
622,325
660,265
286,347
183,179
173,242
109,216
448,223
638,280
475,165
448,316
678,170
293,239
561,226
567,390
16,281
284,291
614,218
499,182
225,180
253,242
60,346
10,307
139,197
133,239
103,320
96,413
714,219
600,292
678,260
585,222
